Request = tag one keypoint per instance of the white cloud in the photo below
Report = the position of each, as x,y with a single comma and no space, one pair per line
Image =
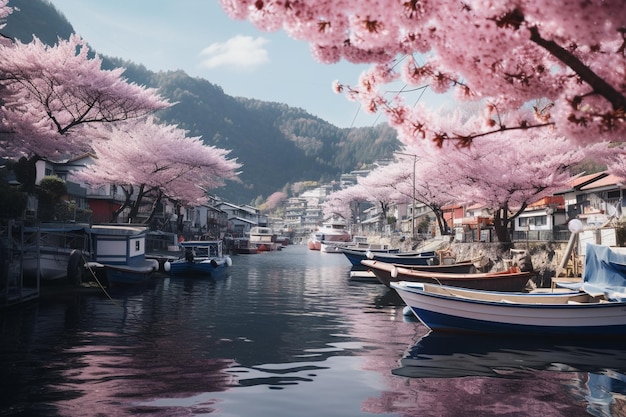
240,52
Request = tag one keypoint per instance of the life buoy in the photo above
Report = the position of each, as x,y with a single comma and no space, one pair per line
75,268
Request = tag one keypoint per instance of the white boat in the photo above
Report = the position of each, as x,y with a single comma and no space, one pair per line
56,252
330,233
263,238
599,309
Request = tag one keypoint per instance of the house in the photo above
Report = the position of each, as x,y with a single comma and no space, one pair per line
544,219
76,201
595,199
471,223
207,220
240,218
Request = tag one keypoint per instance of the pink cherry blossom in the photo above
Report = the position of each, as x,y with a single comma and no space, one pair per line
506,54
55,98
158,159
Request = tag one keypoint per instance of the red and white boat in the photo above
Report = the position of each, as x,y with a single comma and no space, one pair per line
332,232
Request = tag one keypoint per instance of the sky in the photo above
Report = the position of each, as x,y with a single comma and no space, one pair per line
198,37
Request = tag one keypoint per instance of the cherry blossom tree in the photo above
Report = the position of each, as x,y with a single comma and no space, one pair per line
5,11
341,202
375,188
545,64
616,162
274,201
146,158
506,174
417,181
55,98
379,191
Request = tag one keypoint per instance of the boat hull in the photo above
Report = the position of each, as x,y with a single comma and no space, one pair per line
53,264
117,275
506,313
208,269
457,275
51,248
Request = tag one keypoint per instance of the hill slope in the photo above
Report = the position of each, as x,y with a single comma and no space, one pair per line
276,144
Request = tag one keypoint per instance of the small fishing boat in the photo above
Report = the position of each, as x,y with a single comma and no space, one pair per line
596,307
404,258
203,258
453,309
356,255
458,275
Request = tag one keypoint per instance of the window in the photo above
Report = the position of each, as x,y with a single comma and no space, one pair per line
533,221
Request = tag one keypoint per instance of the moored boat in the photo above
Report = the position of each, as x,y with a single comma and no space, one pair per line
457,275
333,247
263,238
332,231
203,258
445,308
404,258
241,245
596,308
119,252
356,255
56,252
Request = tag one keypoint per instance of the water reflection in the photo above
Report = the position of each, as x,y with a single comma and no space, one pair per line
285,334
597,367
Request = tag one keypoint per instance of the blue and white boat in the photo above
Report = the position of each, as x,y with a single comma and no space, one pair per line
201,258
120,252
597,308
393,256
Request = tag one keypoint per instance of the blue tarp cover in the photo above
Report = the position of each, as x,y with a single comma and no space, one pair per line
604,273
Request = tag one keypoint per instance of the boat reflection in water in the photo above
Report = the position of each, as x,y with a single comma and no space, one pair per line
599,364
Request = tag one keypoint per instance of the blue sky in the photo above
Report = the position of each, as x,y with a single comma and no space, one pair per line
199,38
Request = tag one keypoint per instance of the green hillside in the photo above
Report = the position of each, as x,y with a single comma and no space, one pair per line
276,144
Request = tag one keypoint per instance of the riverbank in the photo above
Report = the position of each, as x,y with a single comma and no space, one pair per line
545,257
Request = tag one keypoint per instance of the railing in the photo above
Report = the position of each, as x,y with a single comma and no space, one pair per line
541,235
521,236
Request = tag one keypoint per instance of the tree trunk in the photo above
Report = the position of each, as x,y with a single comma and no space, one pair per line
134,210
180,225
441,222
127,203
155,204
501,225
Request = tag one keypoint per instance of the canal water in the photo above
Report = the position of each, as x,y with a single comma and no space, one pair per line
285,334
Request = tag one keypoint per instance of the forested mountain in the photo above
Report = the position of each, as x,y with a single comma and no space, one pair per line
277,144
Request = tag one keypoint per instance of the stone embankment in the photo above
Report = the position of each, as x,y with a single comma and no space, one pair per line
545,257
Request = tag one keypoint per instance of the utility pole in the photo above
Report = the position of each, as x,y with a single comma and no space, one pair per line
413,202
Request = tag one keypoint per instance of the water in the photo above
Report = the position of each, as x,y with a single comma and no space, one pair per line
286,334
